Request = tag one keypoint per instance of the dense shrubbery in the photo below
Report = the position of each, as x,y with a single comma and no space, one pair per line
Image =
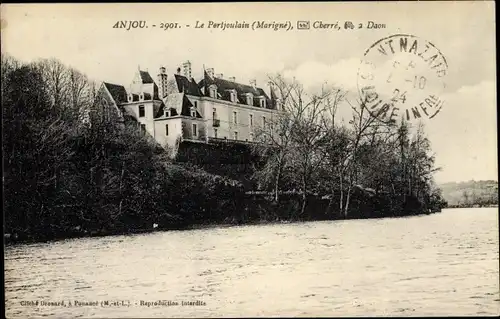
63,178
370,167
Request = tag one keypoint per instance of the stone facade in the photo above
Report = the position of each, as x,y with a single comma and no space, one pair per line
177,108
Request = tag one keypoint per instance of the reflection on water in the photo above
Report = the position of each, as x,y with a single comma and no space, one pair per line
441,264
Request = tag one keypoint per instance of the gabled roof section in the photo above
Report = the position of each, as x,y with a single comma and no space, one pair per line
174,101
178,104
156,92
187,86
186,108
224,86
118,92
146,77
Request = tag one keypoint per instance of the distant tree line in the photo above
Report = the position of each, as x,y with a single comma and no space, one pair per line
70,170
471,193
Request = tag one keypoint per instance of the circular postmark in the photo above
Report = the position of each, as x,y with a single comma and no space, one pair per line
402,77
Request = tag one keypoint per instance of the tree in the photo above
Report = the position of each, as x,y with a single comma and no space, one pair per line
361,123
293,138
56,81
465,196
275,136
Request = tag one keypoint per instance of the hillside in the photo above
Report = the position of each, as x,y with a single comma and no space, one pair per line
470,193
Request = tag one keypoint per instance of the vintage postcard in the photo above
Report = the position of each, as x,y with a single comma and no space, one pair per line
250,159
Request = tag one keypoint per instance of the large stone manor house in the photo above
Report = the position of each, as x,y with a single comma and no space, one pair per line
175,108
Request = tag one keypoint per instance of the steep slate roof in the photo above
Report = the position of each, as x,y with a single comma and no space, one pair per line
135,97
174,101
156,95
186,107
186,86
177,102
118,92
223,87
146,77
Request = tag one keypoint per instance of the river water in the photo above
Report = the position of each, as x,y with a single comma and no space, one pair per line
441,264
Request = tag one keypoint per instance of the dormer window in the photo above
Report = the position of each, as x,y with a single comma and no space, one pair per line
262,102
130,98
278,104
213,91
141,96
167,113
232,96
193,113
249,99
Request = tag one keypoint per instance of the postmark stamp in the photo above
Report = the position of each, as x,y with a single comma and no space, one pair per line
402,77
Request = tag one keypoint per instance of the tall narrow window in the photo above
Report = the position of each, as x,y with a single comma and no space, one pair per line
166,129
215,132
214,114
195,129
251,120
235,117
195,104
142,111
143,128
235,135
262,103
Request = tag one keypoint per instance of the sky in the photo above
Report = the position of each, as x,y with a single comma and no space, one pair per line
463,134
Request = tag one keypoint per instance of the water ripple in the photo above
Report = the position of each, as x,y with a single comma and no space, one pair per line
442,264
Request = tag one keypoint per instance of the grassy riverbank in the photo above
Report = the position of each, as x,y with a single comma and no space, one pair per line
251,211
11,239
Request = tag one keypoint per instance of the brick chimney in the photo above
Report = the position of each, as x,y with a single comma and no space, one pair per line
220,76
186,68
253,83
162,82
211,72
